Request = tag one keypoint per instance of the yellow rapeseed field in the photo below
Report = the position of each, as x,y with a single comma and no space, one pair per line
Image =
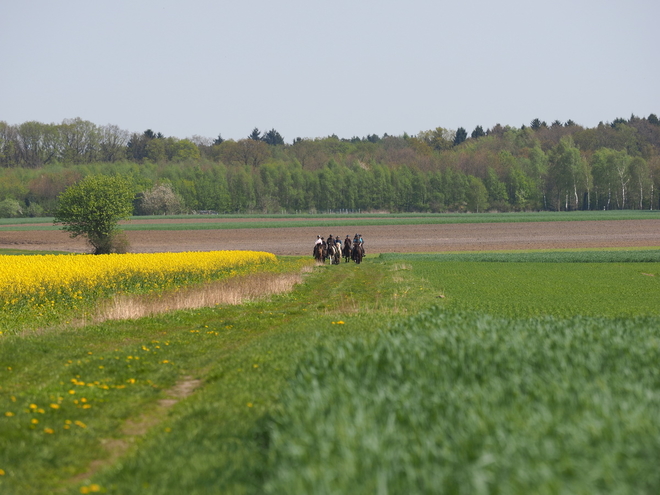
43,285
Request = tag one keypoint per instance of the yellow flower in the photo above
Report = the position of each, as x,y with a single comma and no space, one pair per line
9,414
50,431
2,472
55,406
35,421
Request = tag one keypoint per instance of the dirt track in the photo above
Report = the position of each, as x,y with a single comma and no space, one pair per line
378,239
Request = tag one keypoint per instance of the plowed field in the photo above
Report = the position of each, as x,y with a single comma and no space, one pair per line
378,239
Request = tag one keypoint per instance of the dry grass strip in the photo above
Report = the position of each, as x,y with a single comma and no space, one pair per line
231,291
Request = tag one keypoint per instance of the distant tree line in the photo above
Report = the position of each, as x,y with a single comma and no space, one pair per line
560,166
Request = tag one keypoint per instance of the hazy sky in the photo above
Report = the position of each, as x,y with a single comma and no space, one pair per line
314,68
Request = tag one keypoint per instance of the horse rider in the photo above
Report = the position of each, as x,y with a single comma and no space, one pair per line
330,241
338,242
319,240
361,241
347,241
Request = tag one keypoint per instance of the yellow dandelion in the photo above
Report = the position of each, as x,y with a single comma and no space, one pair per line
35,421
2,472
249,404
9,414
50,431
55,406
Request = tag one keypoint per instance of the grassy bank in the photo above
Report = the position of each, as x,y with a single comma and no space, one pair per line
243,355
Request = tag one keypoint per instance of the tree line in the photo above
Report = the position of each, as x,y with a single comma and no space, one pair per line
540,166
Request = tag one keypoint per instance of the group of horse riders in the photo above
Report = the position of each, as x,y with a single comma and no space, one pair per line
332,248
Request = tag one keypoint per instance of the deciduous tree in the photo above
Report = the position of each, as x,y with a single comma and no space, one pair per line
93,207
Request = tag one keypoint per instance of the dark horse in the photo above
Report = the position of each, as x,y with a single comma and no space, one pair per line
319,253
358,253
346,250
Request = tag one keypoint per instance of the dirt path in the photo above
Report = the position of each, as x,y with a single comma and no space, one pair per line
378,239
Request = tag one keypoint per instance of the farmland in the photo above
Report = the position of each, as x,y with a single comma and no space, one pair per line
482,372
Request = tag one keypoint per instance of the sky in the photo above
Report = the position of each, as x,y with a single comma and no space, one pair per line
315,68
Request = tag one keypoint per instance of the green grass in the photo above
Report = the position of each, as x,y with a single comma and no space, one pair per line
27,252
338,387
215,443
351,220
561,284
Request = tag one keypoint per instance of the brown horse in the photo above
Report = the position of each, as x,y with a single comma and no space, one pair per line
319,253
357,253
346,250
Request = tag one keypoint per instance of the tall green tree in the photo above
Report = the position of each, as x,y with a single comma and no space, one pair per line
478,132
272,138
461,135
569,173
477,195
93,207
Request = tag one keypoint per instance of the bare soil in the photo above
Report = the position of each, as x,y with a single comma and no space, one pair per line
378,239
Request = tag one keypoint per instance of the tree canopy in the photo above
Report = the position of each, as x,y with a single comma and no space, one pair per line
539,166
93,207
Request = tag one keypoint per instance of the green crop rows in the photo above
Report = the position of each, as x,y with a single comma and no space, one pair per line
448,403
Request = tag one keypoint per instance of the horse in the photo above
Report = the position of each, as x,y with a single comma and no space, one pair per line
357,253
334,254
346,251
336,257
319,254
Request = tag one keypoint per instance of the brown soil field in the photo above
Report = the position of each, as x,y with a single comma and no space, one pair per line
378,239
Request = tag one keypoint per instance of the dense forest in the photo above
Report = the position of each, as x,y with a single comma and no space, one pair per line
557,166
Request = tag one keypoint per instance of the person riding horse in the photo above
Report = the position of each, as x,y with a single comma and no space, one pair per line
346,252
358,250
333,250
318,248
